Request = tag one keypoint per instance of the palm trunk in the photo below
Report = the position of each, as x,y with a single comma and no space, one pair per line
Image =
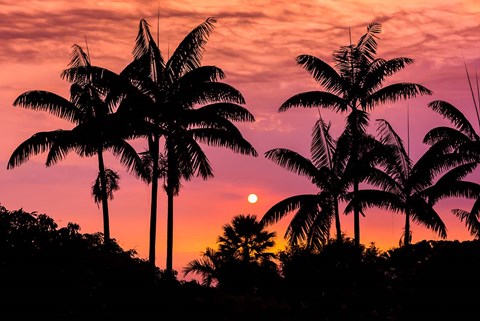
407,228
337,221
103,183
171,164
170,196
356,213
154,150
356,183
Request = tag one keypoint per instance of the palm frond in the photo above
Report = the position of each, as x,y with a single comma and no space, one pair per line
471,221
322,147
286,206
129,158
190,159
424,214
230,111
394,92
202,74
147,51
49,102
224,138
319,232
206,93
455,116
36,144
78,57
293,162
312,99
452,138
322,72
389,182
111,183
369,198
61,148
380,69
448,188
388,136
367,44
303,222
189,53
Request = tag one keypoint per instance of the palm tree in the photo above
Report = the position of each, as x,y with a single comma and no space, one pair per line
463,139
243,250
187,105
208,266
355,84
330,169
315,212
414,189
94,131
246,239
111,183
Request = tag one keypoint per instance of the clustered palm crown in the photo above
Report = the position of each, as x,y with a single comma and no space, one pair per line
178,102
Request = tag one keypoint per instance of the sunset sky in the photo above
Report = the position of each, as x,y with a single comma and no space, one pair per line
255,43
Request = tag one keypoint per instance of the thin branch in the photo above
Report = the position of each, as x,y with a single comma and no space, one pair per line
473,93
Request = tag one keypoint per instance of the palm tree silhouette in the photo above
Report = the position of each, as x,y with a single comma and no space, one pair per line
355,84
244,244
330,169
187,105
414,189
111,184
315,212
95,130
460,139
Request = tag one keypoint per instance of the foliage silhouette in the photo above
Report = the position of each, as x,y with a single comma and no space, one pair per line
94,132
111,184
355,85
187,104
243,262
332,170
61,274
414,189
66,275
463,140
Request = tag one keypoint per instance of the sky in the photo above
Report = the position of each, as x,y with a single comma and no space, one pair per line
255,43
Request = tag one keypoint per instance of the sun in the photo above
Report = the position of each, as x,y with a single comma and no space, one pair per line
252,198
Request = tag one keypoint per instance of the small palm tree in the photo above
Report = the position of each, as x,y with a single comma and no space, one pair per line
208,266
243,255
355,84
111,183
246,239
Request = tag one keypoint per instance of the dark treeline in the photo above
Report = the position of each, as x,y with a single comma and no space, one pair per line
56,273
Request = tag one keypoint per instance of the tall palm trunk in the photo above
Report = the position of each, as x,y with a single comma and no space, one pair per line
356,183
356,213
170,195
154,153
337,220
103,182
170,189
407,228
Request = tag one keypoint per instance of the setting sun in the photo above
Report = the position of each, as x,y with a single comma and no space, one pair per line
252,198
